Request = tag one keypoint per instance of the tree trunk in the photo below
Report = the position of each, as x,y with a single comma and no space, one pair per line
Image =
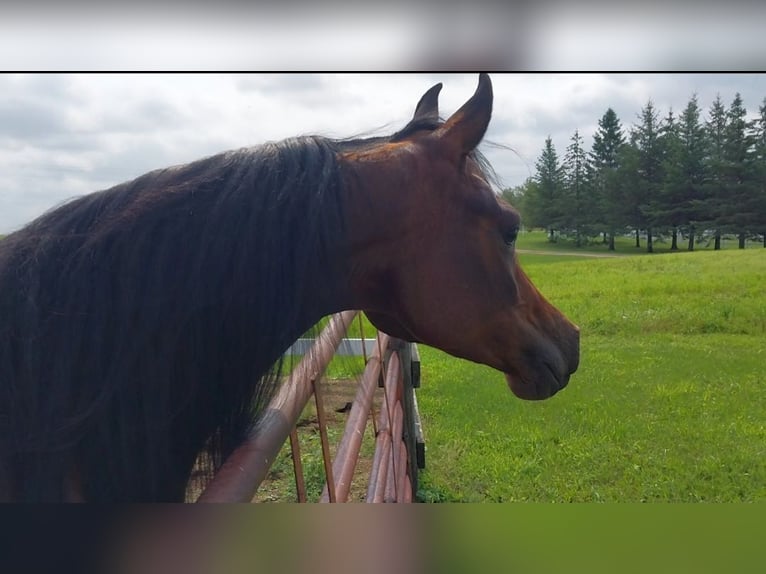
649,244
691,239
605,240
674,242
638,238
577,238
741,238
717,244
764,239
552,237
611,242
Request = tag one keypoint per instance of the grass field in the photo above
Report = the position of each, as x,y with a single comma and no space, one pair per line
669,403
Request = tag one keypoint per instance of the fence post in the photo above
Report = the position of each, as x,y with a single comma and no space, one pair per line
410,416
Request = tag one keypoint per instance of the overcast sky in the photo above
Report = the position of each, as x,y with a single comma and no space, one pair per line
67,135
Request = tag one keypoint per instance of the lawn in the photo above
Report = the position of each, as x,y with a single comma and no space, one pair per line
668,403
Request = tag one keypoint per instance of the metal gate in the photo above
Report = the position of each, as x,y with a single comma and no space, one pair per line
390,363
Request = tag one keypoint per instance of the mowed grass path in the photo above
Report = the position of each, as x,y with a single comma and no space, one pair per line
669,403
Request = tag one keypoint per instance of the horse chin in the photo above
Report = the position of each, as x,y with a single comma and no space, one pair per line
541,387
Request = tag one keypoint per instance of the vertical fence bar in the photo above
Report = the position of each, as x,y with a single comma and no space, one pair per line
326,456
361,335
300,481
410,372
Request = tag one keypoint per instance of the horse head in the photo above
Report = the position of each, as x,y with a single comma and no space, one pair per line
433,256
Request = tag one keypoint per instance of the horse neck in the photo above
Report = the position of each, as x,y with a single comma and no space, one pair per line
379,213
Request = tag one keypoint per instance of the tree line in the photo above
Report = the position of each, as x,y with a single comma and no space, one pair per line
682,177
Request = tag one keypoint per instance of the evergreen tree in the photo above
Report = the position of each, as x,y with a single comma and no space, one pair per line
574,202
738,211
609,207
683,174
668,207
646,138
691,134
713,201
544,204
530,204
759,160
628,184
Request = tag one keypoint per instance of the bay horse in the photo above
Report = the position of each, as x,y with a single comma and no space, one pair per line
144,324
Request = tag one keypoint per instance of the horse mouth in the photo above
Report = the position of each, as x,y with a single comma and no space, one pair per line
544,384
542,370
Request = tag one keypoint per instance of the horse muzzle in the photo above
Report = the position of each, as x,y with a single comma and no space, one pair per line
547,368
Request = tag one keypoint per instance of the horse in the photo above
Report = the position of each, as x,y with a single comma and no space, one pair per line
144,325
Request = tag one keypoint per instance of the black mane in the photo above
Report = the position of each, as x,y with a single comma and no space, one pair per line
143,323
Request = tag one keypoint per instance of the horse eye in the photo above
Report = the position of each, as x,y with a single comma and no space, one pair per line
509,237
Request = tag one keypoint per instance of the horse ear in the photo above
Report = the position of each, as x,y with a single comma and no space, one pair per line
466,127
428,106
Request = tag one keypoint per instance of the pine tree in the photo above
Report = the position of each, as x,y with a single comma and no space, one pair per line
739,177
646,138
574,199
713,201
628,184
544,204
530,204
609,207
668,208
691,134
759,159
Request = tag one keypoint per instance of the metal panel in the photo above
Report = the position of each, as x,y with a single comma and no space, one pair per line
347,347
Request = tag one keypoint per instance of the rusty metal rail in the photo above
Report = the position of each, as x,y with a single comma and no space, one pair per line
240,476
393,477
351,442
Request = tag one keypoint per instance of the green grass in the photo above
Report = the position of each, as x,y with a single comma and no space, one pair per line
668,403
685,293
539,259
